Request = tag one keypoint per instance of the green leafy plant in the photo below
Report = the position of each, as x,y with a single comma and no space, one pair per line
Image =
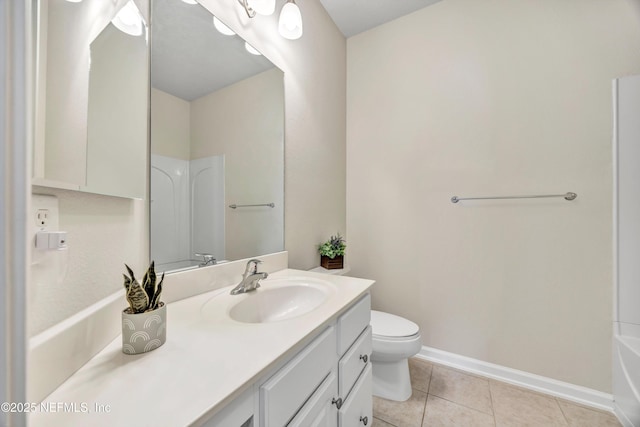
333,247
145,297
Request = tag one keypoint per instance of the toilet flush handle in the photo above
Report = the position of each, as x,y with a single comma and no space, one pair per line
364,358
364,420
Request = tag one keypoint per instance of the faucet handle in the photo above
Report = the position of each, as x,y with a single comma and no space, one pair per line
255,263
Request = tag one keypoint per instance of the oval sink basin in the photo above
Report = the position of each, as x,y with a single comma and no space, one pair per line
280,299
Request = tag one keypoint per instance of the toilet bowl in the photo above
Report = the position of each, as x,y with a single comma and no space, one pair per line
395,339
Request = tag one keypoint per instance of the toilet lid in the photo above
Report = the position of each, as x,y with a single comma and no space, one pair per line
390,325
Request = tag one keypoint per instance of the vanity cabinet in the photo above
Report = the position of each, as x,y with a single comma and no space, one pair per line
285,393
320,410
354,365
357,411
327,383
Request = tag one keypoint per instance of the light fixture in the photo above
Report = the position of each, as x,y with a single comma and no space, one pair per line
128,19
250,12
290,22
263,7
190,1
252,50
222,27
74,1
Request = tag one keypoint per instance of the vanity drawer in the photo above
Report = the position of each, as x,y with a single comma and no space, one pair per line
352,323
353,363
285,392
358,408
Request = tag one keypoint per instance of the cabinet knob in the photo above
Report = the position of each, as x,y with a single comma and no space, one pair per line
337,402
364,420
364,358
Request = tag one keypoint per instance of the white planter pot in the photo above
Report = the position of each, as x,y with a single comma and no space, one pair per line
143,332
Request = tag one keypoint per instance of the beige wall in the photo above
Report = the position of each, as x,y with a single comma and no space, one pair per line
315,110
496,97
170,125
103,233
244,122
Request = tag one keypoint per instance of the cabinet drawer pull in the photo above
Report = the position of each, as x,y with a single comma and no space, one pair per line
337,402
364,358
364,420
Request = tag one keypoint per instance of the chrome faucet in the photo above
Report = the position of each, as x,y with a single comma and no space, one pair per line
250,278
207,259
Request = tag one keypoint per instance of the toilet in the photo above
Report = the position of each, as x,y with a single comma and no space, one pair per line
395,339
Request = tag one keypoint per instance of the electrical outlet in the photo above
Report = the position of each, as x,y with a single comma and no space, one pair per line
42,218
44,213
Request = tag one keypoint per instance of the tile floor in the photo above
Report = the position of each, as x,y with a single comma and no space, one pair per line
447,397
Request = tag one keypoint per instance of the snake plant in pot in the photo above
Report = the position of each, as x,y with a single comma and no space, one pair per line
144,322
332,252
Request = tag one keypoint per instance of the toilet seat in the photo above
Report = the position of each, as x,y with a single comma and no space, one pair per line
387,326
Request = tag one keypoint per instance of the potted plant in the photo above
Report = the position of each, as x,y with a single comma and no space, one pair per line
332,252
144,322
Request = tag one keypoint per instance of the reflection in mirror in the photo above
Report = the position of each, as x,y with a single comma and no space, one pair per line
92,87
217,139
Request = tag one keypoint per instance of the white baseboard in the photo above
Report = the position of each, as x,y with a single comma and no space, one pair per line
572,392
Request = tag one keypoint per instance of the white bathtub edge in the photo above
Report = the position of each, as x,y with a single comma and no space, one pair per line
626,360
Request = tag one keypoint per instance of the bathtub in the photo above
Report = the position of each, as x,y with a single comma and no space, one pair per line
626,379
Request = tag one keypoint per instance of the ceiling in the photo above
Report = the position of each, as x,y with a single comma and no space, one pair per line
191,59
355,16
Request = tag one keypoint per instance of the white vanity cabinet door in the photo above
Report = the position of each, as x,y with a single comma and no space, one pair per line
354,362
319,411
285,392
357,411
352,323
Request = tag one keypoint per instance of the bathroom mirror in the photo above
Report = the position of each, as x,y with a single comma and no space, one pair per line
92,91
217,143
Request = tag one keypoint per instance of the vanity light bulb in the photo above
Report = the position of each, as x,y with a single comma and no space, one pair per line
190,1
290,23
263,7
252,50
74,1
222,28
128,19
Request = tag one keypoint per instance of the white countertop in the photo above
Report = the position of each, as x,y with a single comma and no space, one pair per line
207,360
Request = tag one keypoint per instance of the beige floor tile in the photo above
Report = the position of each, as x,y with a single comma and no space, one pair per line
514,406
464,389
580,416
401,414
379,423
442,413
420,372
